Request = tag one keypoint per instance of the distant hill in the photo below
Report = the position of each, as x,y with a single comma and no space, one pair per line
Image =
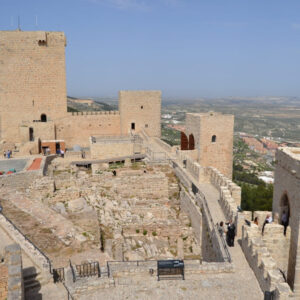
79,104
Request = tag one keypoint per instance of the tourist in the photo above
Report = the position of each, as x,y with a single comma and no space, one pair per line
230,233
8,153
4,154
256,221
62,153
284,221
82,154
221,228
268,220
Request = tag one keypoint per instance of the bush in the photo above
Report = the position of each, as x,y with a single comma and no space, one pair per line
145,232
137,231
154,233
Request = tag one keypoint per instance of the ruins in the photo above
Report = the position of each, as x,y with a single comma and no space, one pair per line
94,222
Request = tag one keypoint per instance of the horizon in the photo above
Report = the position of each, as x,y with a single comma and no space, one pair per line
195,49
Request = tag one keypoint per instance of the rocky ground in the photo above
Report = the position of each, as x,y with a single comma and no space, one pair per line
134,215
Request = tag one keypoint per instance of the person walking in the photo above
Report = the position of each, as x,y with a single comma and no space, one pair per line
284,221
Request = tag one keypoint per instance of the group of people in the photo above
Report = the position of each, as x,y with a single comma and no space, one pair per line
269,220
229,232
7,154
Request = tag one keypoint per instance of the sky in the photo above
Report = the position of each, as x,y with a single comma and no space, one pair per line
186,48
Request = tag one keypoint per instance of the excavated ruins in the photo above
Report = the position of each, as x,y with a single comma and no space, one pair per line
135,215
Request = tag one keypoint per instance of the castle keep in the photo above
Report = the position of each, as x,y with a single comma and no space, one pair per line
33,97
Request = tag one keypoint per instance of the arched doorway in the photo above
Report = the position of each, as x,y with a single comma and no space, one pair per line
285,207
31,135
191,142
43,118
184,142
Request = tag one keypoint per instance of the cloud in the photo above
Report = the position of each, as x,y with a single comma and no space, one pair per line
296,26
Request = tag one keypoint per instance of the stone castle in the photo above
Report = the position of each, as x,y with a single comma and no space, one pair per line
33,115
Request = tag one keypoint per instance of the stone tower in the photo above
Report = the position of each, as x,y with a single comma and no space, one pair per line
286,198
140,110
32,80
210,137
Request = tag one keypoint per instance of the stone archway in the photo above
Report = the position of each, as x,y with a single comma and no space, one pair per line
184,142
191,142
284,206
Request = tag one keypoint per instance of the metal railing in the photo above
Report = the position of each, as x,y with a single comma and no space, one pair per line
88,269
215,228
73,271
28,240
70,297
59,275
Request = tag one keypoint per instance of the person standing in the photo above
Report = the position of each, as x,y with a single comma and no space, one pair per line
268,220
284,221
4,154
230,233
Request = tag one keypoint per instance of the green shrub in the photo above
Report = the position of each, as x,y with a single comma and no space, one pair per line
145,232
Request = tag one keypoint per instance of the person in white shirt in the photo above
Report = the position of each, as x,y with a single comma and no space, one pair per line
268,220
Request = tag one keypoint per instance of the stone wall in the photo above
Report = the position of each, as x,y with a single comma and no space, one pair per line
230,193
19,180
213,247
189,206
3,280
112,148
77,129
143,108
147,186
262,263
217,151
32,78
11,275
287,186
35,255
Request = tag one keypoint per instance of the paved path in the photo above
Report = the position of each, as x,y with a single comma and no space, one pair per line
242,268
243,274
36,164
17,164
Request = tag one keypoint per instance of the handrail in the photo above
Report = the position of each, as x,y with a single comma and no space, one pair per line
73,271
27,239
215,230
68,291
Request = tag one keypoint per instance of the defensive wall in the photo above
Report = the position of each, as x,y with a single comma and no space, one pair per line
262,257
34,103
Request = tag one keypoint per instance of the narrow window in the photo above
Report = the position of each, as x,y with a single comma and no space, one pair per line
142,107
132,126
213,139
31,136
43,118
